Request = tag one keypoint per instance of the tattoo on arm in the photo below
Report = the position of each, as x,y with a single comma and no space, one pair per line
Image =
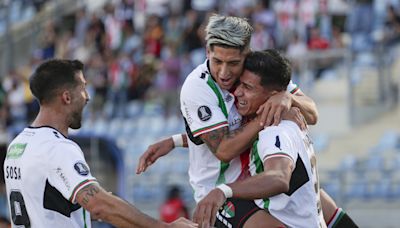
213,138
232,134
88,192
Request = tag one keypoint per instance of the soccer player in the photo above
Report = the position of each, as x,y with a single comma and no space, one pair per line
283,165
211,118
48,181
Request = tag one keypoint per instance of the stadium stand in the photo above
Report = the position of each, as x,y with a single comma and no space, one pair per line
126,46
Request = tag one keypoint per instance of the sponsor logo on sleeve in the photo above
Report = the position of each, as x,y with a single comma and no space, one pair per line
61,174
81,168
16,150
188,117
204,113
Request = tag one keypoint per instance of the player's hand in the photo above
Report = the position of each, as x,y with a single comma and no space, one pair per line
182,223
154,152
271,111
206,210
295,115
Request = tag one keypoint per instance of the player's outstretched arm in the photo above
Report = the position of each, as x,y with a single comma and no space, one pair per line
111,209
273,181
157,150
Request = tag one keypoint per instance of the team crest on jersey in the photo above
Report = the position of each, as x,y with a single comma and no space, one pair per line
229,210
81,168
204,113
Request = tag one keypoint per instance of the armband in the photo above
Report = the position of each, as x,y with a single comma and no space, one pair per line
226,190
178,140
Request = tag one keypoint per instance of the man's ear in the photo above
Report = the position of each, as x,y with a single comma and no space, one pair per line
208,52
272,93
66,97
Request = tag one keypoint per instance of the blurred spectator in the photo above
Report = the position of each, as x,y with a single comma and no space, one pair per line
204,5
49,40
153,36
174,31
97,33
264,15
261,39
125,12
192,38
119,70
81,25
337,38
360,25
296,52
142,80
3,109
66,45
113,28
318,43
39,4
132,42
285,11
392,26
96,74
168,81
173,207
31,104
14,86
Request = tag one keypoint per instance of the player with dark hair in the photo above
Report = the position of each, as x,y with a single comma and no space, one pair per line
284,178
48,181
213,125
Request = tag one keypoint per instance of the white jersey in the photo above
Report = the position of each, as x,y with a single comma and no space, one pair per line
206,107
43,171
300,206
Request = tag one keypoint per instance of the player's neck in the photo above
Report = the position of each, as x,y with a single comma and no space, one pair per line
51,118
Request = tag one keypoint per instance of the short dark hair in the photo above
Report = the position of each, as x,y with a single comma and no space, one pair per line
52,75
273,69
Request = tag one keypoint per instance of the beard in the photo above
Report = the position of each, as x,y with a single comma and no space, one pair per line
76,120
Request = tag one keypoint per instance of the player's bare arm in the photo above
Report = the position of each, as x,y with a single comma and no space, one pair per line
226,144
306,105
107,207
272,110
274,180
229,147
213,138
157,150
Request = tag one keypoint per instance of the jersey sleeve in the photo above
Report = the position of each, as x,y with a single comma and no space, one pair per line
292,87
273,142
68,169
199,106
